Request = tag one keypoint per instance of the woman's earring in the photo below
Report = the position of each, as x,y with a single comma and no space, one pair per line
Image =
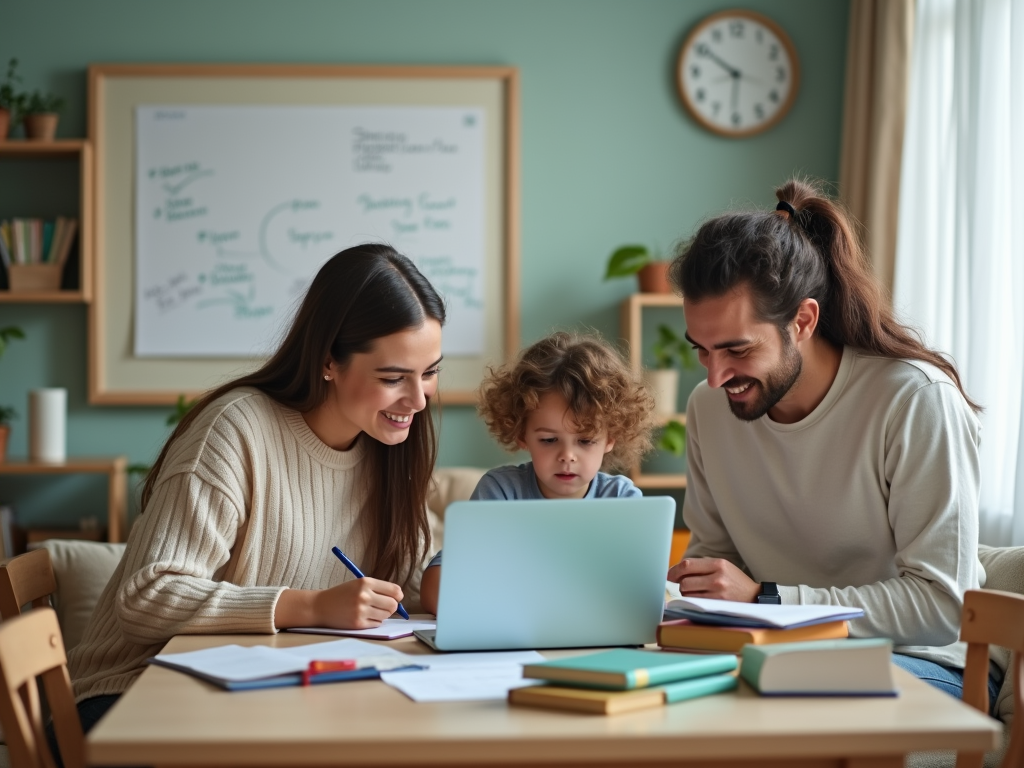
326,377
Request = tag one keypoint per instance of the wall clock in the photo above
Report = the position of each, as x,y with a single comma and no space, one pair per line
737,73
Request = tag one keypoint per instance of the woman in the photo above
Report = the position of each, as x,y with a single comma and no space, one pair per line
329,443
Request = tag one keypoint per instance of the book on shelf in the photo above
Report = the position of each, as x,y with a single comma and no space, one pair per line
685,635
605,702
625,669
854,667
730,613
8,532
37,241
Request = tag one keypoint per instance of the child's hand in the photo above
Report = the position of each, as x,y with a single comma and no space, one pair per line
356,604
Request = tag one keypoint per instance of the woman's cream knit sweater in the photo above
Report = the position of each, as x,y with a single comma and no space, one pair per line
248,503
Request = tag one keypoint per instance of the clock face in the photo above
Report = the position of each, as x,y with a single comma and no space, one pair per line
737,73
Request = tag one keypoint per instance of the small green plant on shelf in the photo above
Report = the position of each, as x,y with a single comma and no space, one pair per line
10,97
673,438
629,259
6,335
646,263
38,103
670,348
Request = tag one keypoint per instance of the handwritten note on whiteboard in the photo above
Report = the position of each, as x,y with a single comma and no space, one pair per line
237,207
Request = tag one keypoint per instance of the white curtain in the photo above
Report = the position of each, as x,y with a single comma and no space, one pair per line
959,273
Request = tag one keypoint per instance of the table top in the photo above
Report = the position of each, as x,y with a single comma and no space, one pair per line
170,718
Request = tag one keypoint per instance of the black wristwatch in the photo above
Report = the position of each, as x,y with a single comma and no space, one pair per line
769,594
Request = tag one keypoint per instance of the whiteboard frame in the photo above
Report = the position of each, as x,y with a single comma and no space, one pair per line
116,377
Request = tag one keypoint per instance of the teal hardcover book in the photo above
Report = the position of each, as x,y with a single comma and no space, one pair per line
625,669
853,667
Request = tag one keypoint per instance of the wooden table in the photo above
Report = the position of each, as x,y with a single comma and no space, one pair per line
171,719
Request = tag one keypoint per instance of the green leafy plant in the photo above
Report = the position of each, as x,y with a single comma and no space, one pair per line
11,98
39,102
629,259
673,438
6,335
670,348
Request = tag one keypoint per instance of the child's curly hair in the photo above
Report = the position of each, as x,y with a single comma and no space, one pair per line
602,392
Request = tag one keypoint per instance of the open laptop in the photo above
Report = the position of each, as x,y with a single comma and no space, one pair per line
552,574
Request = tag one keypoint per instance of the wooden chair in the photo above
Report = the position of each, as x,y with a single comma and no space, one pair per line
25,579
31,650
993,618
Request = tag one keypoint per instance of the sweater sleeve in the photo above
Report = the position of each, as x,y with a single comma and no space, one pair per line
708,535
932,468
176,557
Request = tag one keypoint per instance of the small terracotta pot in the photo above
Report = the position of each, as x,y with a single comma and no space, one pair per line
41,126
5,123
654,278
5,431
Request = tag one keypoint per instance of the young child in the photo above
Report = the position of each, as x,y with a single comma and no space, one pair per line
576,407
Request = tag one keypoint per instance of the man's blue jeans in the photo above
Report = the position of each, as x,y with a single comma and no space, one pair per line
948,679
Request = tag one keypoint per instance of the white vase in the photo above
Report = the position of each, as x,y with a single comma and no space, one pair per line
664,385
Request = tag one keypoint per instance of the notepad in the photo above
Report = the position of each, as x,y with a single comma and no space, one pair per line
240,668
390,629
730,613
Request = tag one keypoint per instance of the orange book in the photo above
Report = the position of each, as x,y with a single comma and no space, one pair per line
683,634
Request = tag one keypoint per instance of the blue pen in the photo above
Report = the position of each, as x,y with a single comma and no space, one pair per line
359,575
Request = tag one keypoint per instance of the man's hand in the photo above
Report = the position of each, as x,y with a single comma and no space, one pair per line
714,578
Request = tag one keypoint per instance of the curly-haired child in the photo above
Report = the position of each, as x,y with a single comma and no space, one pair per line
573,403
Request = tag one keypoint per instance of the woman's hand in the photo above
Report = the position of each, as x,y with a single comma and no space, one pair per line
356,604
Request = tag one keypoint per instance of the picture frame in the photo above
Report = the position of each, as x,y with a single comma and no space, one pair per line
116,375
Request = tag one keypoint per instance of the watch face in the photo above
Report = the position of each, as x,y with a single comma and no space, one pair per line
737,73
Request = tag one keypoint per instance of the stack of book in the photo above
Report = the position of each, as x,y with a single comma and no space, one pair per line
622,680
705,625
36,241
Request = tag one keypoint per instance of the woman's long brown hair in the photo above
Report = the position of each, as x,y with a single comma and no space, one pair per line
360,295
811,253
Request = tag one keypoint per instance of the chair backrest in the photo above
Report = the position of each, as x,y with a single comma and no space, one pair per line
993,618
31,650
25,579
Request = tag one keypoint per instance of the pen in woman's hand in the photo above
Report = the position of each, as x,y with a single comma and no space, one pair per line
359,575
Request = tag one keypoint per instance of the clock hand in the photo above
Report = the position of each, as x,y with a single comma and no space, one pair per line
731,70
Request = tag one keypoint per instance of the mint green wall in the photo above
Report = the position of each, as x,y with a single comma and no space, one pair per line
608,154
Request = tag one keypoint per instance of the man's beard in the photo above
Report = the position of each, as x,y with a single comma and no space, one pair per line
775,386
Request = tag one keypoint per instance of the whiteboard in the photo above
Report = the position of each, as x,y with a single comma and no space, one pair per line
144,295
237,207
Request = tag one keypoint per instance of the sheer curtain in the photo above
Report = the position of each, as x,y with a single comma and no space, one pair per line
959,273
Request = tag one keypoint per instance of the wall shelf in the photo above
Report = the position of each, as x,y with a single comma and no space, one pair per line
116,470
62,150
631,329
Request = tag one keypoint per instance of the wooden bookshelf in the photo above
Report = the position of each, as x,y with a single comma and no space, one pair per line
631,329
61,150
116,470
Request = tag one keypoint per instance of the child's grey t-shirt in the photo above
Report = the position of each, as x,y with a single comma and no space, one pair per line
520,482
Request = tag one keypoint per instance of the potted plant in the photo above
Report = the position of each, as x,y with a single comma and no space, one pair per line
673,438
663,380
41,115
6,412
647,264
10,99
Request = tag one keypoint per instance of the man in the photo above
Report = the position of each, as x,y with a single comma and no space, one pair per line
833,459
